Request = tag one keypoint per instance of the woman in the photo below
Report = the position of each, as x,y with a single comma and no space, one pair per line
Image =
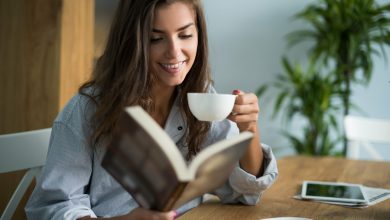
156,53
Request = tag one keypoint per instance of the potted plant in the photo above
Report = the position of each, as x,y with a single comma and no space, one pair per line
345,36
309,96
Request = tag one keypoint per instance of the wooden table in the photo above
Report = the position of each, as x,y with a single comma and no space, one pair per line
277,201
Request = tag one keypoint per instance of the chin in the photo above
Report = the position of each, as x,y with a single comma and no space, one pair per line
173,84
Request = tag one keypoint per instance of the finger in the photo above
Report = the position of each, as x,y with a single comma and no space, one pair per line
238,92
141,213
248,98
246,109
166,215
244,118
162,215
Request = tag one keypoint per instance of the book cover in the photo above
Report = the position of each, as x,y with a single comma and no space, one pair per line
148,164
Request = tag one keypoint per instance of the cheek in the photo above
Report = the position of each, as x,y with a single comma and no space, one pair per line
154,53
193,49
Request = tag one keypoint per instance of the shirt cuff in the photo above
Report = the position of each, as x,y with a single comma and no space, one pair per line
75,212
250,186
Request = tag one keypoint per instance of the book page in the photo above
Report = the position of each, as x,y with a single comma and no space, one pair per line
139,164
165,143
214,166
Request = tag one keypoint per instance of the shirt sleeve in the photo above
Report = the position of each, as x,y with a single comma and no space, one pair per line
243,187
62,190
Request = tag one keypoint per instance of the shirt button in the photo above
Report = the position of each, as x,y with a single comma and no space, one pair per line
180,128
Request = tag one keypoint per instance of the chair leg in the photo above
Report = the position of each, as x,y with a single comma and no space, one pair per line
19,192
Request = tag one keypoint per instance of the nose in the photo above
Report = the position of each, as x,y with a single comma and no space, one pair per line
173,48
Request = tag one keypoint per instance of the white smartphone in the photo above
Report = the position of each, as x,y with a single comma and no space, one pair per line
333,191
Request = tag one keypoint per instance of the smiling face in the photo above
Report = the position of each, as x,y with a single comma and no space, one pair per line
174,42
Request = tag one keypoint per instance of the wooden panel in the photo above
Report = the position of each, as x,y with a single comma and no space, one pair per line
29,64
45,54
76,46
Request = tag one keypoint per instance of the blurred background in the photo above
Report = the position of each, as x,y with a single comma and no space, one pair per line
247,41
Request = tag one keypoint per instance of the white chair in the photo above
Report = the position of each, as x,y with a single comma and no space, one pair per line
19,151
361,131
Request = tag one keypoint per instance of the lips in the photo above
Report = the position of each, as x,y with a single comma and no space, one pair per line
172,67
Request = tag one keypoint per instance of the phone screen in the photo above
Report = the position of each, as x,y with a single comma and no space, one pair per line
334,191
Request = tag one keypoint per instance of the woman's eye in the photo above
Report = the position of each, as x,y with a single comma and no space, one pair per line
155,39
186,36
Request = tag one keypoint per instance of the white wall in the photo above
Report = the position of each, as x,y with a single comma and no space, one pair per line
247,41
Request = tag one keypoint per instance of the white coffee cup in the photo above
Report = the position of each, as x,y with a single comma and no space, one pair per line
210,106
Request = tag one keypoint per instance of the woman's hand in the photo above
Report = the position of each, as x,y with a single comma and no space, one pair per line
245,114
141,214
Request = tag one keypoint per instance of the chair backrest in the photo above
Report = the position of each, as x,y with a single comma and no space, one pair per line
19,151
362,132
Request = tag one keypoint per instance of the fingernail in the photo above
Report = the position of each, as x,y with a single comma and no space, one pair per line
175,214
236,91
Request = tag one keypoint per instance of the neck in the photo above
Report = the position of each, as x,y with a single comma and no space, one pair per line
163,99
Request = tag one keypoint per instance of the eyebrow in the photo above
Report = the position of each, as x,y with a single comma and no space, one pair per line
179,29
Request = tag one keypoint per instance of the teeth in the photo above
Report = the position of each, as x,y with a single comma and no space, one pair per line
173,66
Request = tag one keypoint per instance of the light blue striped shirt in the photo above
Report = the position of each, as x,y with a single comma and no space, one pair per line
73,184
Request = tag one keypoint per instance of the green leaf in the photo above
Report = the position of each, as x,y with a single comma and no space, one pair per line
261,90
289,70
279,101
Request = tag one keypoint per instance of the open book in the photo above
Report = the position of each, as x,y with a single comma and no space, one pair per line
147,163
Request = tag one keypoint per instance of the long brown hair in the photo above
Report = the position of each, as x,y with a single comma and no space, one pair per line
122,77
